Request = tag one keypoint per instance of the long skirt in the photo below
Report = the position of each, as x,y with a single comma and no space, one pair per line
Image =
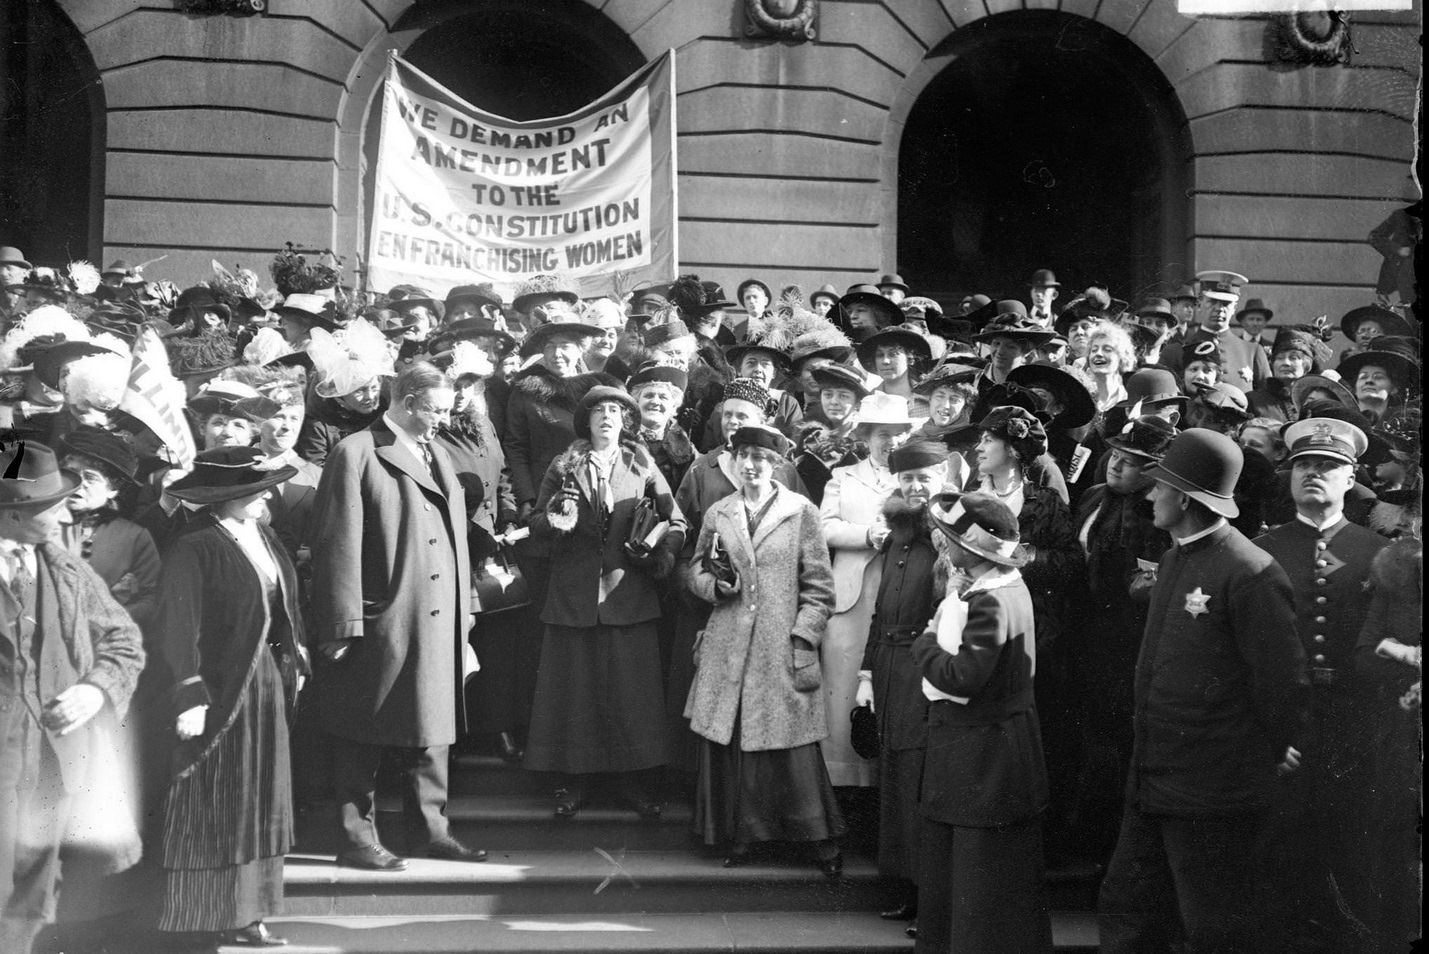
599,701
840,656
773,795
900,777
228,818
690,618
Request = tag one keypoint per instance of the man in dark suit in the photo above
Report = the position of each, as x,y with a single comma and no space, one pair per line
68,651
1246,364
392,602
984,780
1218,701
1318,833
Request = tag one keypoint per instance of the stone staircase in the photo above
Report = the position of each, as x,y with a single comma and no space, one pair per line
601,881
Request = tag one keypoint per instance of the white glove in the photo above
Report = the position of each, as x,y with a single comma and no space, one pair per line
190,723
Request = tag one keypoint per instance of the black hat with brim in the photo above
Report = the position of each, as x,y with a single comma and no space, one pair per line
1301,388
870,295
228,473
736,354
471,329
1077,405
842,377
104,447
536,340
47,364
915,344
1205,466
1403,369
653,373
1389,322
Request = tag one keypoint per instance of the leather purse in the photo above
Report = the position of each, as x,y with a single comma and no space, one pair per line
498,584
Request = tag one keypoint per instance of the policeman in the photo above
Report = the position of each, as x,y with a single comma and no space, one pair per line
1245,363
1318,841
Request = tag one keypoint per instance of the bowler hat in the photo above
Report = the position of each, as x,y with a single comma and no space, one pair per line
1149,386
228,473
739,290
1389,322
104,447
980,524
596,395
1184,293
1044,278
1204,465
9,255
32,477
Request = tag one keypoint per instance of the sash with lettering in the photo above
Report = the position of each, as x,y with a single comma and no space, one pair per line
466,196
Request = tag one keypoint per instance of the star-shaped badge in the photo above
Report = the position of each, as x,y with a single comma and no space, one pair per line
1246,374
1196,602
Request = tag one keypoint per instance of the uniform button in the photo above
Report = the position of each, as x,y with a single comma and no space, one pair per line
1322,563
433,541
1319,637
1320,619
1320,581
1319,659
1321,601
1320,544
427,507
900,562
436,612
436,576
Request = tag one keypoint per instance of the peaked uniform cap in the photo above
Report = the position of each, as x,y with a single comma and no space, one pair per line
1325,437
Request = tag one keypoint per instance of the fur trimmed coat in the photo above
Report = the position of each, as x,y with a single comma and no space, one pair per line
540,425
746,660
599,583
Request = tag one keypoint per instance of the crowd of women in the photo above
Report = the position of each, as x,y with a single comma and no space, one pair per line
705,533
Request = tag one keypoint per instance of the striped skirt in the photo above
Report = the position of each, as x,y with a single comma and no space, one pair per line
228,817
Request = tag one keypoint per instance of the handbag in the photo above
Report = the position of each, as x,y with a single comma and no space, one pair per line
863,733
498,584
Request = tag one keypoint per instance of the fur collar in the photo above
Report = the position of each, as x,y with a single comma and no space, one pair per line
575,457
543,387
900,516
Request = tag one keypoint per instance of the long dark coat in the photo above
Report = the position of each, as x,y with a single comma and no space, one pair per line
598,585
391,570
745,664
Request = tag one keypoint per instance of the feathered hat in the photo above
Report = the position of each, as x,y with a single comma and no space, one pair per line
44,326
293,273
99,380
349,358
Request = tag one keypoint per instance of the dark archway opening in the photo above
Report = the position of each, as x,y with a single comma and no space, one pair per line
1048,141
52,123
521,59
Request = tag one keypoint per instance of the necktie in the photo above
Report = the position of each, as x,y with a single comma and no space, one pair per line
20,578
427,459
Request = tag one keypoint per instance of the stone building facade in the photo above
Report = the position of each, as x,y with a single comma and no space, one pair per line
825,159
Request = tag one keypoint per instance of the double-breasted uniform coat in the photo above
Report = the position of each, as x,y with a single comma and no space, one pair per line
1319,828
852,504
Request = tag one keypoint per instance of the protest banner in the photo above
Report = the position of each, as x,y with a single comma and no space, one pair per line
464,196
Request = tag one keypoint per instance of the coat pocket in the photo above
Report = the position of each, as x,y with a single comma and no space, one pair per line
695,649
806,669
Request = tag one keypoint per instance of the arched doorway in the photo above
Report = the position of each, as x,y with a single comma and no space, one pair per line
52,120
1047,140
521,59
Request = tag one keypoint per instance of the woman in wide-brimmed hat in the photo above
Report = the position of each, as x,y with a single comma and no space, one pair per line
1010,337
231,635
598,707
896,355
1385,376
100,531
350,368
827,440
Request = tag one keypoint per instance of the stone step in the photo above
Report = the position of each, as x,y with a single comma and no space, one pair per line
489,775
765,932
593,881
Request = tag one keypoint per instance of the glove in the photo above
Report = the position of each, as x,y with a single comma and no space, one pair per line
724,591
863,696
190,723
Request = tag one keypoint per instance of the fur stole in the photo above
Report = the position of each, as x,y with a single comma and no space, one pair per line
577,456
542,387
899,516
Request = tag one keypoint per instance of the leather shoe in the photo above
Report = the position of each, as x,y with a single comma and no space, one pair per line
912,931
449,849
568,801
507,748
832,867
904,912
254,935
372,858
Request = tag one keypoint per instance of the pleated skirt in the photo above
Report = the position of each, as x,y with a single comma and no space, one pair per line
774,795
228,816
600,704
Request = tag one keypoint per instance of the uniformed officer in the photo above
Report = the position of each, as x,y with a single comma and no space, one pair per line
1318,838
1218,699
1246,365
